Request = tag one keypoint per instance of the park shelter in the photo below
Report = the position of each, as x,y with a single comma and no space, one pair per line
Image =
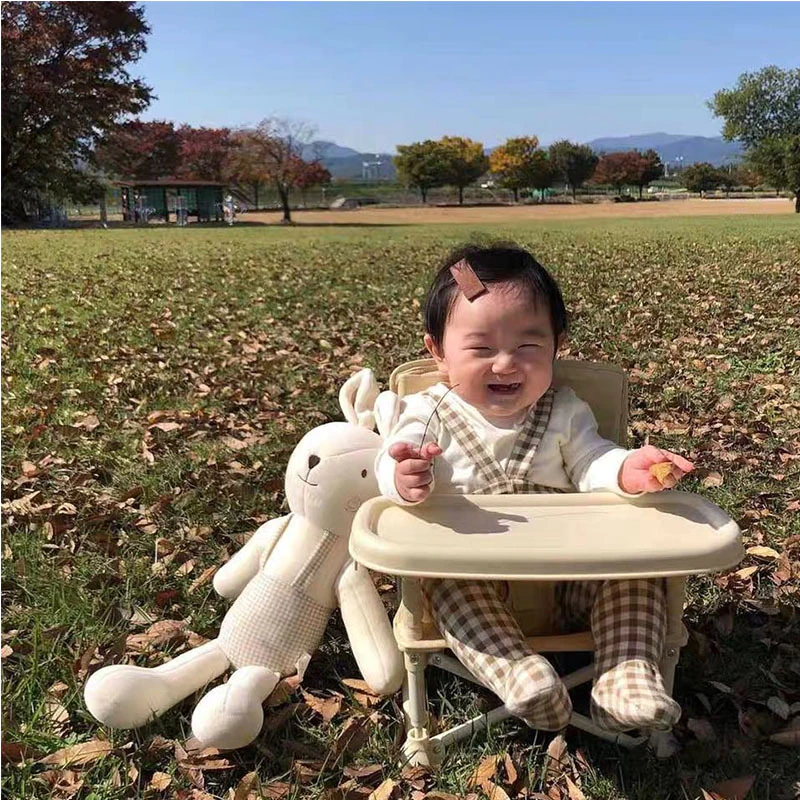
203,198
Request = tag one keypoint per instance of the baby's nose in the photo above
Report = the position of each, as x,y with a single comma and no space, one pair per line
312,462
504,362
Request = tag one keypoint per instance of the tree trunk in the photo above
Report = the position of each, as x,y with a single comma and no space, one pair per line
255,195
461,195
516,194
103,209
797,200
287,212
573,193
541,192
424,192
640,191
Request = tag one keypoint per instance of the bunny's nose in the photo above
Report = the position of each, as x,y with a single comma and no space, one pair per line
312,462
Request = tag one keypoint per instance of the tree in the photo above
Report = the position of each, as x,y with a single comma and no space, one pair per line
144,150
422,165
728,178
514,163
650,168
574,163
702,177
271,153
203,153
466,162
542,172
618,169
311,173
763,112
744,175
65,83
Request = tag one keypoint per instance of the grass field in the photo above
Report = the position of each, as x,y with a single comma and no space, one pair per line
155,382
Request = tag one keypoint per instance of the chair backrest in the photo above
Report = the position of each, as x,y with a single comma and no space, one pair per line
603,386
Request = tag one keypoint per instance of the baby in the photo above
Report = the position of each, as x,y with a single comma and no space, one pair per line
494,320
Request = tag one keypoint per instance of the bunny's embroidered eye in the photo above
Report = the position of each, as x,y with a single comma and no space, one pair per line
363,473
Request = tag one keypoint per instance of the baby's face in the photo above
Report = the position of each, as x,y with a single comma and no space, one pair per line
499,350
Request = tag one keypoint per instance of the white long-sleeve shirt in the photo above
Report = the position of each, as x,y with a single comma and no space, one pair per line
571,454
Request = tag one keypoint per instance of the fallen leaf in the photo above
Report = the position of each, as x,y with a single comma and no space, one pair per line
763,552
493,791
702,729
88,423
159,782
283,691
353,736
557,757
78,755
388,789
487,768
660,471
713,479
788,737
778,707
734,789
574,792
326,707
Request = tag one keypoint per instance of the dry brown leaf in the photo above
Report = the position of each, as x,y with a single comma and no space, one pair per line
511,770
326,707
78,755
486,769
248,784
16,753
734,789
702,729
713,479
203,578
492,790
661,471
574,792
788,737
88,423
353,736
6,651
283,691
557,757
779,707
763,552
366,774
159,782
387,790
167,426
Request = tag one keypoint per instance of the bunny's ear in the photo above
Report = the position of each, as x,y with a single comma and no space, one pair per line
357,398
387,412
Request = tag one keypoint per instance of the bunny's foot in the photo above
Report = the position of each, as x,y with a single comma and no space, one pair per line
230,716
125,696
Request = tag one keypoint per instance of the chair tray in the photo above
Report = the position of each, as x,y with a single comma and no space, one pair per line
587,536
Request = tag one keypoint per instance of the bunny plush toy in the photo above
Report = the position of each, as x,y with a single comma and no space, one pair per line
286,581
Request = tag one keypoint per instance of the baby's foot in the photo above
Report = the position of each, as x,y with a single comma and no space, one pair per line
537,695
632,695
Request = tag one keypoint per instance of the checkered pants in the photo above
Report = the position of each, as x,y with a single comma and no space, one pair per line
628,623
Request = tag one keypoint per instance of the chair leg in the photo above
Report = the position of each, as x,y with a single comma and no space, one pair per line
419,749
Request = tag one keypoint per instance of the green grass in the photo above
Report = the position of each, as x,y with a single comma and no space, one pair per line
248,332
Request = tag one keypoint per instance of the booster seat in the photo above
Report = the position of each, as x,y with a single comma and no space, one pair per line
543,539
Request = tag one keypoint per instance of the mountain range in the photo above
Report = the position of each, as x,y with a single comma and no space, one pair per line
674,149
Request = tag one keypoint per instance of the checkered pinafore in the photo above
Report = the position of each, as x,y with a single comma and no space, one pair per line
496,480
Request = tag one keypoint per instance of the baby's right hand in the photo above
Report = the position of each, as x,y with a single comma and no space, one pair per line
412,475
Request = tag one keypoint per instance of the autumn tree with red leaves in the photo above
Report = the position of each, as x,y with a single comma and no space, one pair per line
618,169
143,150
310,173
65,83
203,153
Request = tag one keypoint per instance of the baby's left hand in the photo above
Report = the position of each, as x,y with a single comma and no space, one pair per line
635,475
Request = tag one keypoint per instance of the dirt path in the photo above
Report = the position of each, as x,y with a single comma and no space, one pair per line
505,214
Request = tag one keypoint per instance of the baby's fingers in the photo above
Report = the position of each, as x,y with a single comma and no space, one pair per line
401,451
431,450
679,461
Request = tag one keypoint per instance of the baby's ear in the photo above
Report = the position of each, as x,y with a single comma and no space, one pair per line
431,347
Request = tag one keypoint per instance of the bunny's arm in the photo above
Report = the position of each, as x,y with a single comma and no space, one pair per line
369,630
231,578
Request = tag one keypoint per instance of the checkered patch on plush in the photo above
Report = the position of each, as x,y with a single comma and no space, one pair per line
487,640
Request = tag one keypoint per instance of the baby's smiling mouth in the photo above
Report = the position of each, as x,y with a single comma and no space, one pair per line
504,388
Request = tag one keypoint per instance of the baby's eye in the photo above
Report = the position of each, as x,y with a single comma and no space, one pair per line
530,344
363,473
480,349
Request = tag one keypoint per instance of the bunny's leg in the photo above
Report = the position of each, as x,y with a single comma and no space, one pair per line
629,624
486,639
126,696
231,716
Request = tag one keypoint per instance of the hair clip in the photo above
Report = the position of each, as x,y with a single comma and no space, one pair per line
469,283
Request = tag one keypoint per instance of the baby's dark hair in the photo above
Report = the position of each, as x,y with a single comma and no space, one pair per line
497,263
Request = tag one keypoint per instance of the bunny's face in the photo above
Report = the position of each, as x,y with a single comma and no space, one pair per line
331,473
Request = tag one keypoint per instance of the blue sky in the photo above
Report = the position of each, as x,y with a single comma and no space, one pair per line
374,75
